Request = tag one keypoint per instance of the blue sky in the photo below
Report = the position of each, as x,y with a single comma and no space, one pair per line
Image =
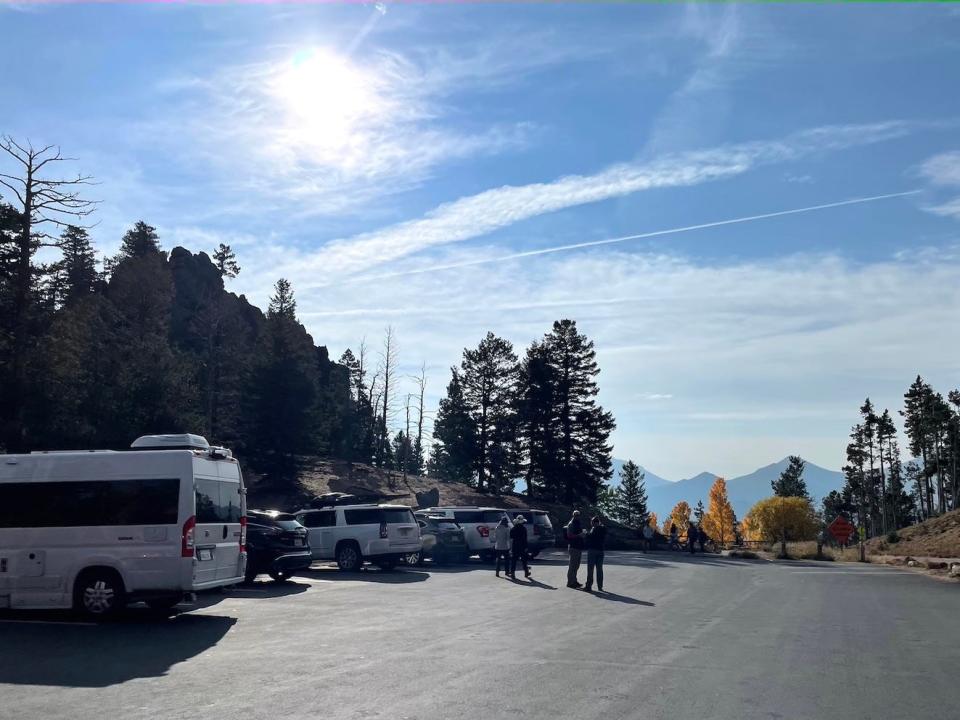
393,161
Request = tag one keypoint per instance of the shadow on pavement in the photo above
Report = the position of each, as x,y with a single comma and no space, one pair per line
622,598
530,582
140,644
395,577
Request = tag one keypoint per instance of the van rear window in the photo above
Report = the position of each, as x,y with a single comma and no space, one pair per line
217,501
392,517
89,503
468,516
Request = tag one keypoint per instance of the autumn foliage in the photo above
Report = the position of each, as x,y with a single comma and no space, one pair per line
679,516
719,520
769,518
652,520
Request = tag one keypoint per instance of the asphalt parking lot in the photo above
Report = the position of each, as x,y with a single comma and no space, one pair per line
675,637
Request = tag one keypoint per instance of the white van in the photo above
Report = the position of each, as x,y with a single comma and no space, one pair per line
94,530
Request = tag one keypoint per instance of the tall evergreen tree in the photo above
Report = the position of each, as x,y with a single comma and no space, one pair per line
454,434
578,428
226,261
139,241
489,375
537,435
699,511
76,272
630,498
791,482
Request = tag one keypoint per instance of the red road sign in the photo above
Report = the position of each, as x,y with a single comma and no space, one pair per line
841,529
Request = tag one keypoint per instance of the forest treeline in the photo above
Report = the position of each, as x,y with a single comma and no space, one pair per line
150,341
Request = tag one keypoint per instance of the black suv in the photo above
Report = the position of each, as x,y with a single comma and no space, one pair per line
276,545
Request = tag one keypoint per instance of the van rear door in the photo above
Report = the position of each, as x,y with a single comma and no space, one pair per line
402,528
219,507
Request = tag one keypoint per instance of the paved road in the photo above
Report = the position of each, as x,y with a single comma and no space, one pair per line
705,638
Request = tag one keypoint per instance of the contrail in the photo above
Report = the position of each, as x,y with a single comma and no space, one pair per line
639,236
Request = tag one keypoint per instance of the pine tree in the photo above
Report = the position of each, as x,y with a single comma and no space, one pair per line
630,498
226,261
489,375
568,421
282,303
699,511
139,241
537,434
791,482
455,436
77,270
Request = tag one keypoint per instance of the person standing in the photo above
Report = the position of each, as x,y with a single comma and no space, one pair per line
501,545
701,537
692,535
674,537
594,542
647,538
574,532
518,537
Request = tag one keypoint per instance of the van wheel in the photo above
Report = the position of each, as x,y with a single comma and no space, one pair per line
487,556
99,593
414,558
280,575
533,553
349,558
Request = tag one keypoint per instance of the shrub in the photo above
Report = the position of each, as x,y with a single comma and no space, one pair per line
892,537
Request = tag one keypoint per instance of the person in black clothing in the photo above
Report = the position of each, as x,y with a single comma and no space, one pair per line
518,537
574,532
701,537
594,542
692,535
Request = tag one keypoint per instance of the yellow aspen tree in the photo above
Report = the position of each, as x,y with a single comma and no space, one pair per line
719,520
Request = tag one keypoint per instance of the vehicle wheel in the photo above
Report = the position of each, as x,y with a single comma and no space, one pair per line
349,558
163,604
487,556
99,593
387,565
280,575
533,553
413,559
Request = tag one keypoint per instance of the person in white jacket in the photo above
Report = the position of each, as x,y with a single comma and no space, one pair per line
501,544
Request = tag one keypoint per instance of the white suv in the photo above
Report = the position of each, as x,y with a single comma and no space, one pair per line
352,534
477,523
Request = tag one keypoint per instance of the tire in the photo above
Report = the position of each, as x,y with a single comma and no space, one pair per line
532,554
163,605
387,565
99,593
280,576
413,558
487,556
349,558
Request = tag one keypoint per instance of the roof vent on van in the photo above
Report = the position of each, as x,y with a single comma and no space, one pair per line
170,442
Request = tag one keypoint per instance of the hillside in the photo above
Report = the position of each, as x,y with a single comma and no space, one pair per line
662,499
652,480
937,537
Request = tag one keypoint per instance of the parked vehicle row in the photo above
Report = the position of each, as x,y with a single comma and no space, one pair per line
95,530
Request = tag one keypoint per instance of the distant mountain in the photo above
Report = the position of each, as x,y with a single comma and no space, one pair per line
743,491
662,499
652,480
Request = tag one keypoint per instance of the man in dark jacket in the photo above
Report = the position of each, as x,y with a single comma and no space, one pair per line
574,532
518,541
594,542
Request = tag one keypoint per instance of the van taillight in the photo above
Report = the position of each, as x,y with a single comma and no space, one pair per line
243,534
383,530
483,530
186,546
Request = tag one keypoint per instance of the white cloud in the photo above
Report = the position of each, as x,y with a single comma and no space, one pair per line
943,171
478,215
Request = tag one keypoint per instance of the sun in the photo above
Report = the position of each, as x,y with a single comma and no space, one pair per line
326,98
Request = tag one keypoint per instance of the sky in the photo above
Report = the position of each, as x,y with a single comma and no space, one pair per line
452,169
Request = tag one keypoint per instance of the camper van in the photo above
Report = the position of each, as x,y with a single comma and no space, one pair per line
95,530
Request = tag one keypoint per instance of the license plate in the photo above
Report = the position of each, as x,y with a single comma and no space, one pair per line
205,554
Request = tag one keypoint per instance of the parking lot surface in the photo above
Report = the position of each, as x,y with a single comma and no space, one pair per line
674,637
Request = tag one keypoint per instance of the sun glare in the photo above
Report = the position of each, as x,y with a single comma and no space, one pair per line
327,98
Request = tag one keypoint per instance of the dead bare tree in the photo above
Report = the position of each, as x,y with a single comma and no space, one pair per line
42,202
388,370
421,381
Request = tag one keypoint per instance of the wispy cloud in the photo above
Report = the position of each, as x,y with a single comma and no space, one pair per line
478,215
943,172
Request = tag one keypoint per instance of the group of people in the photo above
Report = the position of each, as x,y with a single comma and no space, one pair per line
507,538
695,536
593,541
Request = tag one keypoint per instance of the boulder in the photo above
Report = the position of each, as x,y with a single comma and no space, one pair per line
936,565
955,570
